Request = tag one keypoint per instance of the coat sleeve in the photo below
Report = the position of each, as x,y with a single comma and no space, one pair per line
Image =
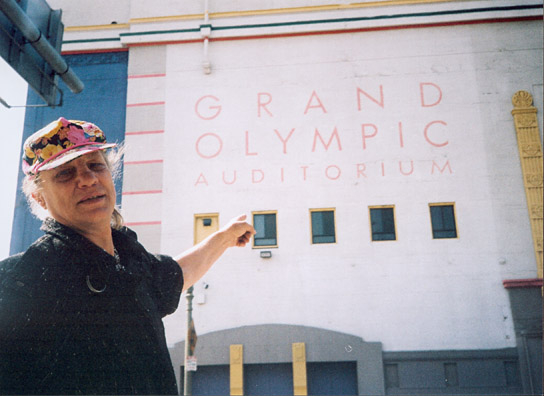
164,272
167,283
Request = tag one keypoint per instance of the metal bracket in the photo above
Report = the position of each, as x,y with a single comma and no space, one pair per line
7,105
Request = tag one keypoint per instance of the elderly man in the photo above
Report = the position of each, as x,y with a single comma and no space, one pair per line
81,310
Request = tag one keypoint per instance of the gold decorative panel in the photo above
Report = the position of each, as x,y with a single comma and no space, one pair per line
237,369
530,153
300,383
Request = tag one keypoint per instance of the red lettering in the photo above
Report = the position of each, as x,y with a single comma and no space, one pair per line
318,105
247,145
361,168
257,175
212,115
365,136
210,155
401,138
201,180
304,168
426,134
411,168
379,103
284,141
229,181
446,165
437,95
262,103
333,177
333,135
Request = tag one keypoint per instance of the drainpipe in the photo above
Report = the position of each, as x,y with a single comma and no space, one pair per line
205,31
524,336
187,374
18,17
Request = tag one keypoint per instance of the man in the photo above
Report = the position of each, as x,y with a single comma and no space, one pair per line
81,310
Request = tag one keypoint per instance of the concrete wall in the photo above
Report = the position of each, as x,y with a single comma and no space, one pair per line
451,287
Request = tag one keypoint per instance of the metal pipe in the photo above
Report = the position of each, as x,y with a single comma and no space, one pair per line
34,36
524,336
187,374
205,31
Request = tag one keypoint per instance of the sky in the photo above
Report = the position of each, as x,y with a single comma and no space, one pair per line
13,89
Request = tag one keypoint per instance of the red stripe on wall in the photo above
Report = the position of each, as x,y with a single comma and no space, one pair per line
147,75
146,104
157,161
142,192
522,283
143,223
144,132
97,51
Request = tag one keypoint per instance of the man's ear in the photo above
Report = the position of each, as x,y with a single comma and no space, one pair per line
38,197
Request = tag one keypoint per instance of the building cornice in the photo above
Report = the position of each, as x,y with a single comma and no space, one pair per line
324,19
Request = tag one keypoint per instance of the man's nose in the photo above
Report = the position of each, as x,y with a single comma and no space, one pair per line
86,177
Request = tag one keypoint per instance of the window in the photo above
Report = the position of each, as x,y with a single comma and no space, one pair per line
443,221
382,223
451,377
323,228
205,225
265,225
391,375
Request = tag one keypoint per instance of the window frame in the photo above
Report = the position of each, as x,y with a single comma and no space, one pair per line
452,204
200,217
370,208
333,210
265,212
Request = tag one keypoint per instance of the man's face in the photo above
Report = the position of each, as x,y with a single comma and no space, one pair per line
79,194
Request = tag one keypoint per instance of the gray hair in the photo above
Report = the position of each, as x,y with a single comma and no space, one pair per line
31,185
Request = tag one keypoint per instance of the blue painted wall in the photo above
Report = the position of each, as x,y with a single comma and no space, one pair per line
209,380
268,379
332,378
103,102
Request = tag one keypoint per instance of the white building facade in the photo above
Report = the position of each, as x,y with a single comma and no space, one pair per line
374,146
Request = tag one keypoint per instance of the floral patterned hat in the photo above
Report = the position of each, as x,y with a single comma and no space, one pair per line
59,142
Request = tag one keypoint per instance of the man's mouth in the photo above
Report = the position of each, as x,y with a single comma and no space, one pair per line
92,199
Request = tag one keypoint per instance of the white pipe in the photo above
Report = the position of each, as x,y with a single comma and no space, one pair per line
205,32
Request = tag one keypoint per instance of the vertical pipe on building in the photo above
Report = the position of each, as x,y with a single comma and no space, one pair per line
205,31
528,362
187,374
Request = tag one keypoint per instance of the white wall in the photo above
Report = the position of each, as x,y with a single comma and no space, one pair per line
412,294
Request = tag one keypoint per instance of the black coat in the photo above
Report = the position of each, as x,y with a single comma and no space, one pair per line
58,335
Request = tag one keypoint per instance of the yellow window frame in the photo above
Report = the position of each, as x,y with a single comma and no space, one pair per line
214,226
394,222
454,218
312,230
265,212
